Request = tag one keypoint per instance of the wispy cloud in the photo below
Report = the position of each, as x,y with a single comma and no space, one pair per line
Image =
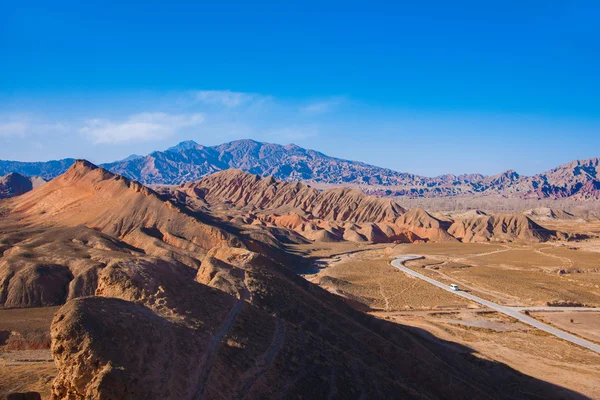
140,127
225,98
28,125
13,128
322,107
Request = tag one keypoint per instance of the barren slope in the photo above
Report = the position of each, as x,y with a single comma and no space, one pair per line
501,227
343,214
260,332
425,225
159,306
245,190
15,184
91,196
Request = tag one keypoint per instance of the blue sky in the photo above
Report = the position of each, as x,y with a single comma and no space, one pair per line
428,87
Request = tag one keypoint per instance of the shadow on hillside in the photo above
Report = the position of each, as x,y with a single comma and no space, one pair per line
464,361
427,360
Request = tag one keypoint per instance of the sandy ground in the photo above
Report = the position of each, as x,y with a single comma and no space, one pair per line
32,377
527,350
26,369
27,319
584,323
377,286
524,274
510,274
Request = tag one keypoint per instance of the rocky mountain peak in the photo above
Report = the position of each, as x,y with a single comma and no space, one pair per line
185,145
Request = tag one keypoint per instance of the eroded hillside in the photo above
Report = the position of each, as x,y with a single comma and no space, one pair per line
162,300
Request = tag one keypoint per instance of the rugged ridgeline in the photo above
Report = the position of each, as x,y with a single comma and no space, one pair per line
44,169
189,161
341,214
15,184
248,191
164,301
579,180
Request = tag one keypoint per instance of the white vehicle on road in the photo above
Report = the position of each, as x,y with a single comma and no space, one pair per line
454,287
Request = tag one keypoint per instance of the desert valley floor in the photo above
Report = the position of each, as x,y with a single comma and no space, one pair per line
507,274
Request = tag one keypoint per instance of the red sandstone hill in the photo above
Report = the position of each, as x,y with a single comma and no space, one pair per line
247,191
338,214
91,196
501,228
80,220
426,226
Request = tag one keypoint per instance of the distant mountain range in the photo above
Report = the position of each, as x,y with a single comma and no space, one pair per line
189,161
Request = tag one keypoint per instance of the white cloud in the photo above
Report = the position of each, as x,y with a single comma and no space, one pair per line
225,98
13,128
322,107
140,127
30,126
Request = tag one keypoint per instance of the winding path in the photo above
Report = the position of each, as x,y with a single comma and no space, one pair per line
210,355
513,312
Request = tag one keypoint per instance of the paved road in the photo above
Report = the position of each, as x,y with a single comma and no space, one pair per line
510,311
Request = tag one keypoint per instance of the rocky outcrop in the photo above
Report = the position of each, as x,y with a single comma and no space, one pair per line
501,228
93,366
15,184
50,267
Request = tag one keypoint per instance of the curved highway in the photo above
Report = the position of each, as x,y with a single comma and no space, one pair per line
510,311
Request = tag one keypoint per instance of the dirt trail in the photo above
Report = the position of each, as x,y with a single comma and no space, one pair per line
211,352
265,363
563,259
506,248
385,298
